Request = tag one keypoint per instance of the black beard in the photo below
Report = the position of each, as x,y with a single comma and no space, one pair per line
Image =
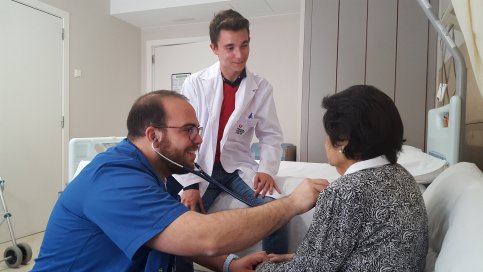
172,167
175,169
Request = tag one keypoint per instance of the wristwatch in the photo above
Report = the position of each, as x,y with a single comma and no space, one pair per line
192,186
228,260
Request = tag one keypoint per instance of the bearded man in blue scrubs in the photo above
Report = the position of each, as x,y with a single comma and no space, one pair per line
117,214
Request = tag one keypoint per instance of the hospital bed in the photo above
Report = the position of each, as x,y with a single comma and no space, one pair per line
454,200
422,166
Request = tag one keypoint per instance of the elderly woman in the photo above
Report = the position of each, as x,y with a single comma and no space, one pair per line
373,217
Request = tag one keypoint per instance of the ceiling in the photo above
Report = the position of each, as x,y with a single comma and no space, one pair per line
162,13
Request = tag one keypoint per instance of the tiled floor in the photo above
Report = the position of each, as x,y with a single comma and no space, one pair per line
33,241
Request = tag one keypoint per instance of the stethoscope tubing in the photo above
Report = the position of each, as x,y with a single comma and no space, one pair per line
202,174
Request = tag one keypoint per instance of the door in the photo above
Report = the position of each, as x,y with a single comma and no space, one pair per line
179,58
31,82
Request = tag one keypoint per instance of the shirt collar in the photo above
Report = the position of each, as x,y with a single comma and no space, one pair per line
237,81
371,163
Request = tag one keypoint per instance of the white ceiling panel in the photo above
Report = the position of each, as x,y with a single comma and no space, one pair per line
173,16
255,8
124,6
290,6
159,13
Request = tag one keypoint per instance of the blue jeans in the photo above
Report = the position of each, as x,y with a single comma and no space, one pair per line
277,242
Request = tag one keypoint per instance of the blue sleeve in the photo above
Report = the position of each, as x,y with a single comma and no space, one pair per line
135,208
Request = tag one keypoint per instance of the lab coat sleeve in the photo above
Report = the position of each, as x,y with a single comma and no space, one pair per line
187,179
269,133
188,90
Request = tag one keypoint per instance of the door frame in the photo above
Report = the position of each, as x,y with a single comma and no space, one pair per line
64,16
151,45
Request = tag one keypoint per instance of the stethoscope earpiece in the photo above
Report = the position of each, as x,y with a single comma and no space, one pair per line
202,174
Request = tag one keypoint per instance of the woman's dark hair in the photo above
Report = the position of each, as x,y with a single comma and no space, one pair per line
368,119
147,111
227,20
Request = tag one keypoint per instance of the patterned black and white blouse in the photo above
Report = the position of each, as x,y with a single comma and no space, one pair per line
370,220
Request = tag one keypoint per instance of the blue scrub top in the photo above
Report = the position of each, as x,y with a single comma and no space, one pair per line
106,215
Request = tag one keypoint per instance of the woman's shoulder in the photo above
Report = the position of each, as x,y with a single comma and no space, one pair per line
371,178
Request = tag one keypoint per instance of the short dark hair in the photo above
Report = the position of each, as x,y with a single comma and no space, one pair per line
148,110
368,119
227,20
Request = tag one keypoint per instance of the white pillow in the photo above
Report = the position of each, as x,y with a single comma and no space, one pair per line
424,167
454,202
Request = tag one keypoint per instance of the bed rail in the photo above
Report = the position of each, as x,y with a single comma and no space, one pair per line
457,103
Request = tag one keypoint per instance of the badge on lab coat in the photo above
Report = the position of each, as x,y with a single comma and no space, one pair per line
240,130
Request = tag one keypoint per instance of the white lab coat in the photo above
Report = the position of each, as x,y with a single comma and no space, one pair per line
254,113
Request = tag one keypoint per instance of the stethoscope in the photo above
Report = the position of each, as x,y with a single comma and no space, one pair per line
202,174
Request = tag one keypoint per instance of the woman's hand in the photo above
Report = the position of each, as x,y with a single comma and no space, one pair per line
249,262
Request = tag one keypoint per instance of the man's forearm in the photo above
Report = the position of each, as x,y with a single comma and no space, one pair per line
234,230
195,234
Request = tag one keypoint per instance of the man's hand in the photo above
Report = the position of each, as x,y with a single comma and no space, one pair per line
277,258
249,262
263,183
192,199
306,193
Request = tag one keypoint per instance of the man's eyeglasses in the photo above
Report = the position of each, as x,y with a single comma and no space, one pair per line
192,131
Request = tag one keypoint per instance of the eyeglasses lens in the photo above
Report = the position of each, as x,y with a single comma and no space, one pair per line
195,131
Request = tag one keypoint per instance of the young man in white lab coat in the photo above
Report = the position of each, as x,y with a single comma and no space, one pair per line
232,104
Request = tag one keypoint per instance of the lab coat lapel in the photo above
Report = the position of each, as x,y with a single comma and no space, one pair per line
244,95
213,86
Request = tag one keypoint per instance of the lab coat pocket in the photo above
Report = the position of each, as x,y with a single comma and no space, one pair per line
244,125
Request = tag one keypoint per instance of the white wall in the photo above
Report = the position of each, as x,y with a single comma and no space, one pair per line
274,54
108,51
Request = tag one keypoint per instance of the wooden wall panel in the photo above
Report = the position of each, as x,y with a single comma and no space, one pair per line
411,70
381,45
351,57
322,73
306,57
378,42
